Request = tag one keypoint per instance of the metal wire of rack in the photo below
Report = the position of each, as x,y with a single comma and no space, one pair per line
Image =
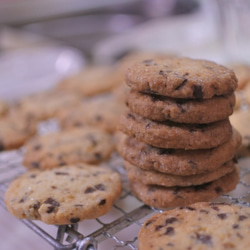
119,228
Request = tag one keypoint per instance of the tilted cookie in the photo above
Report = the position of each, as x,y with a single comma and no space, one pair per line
103,113
169,197
92,80
46,104
56,149
200,226
63,196
181,78
15,130
176,135
177,161
3,108
151,177
160,108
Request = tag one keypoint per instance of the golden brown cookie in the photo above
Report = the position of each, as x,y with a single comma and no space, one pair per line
88,145
3,108
151,177
46,104
177,161
176,135
242,72
169,197
181,78
92,80
160,108
63,196
200,226
103,113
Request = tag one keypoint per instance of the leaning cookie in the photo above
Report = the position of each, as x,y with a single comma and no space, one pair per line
150,177
176,135
88,145
169,197
181,78
177,161
15,130
3,108
160,108
63,196
198,226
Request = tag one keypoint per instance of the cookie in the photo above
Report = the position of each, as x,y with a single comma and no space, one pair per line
177,161
242,72
63,196
200,226
241,120
161,108
15,130
181,78
151,177
176,135
45,105
103,113
92,80
88,145
169,197
3,108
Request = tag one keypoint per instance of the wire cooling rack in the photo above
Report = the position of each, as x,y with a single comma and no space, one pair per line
119,228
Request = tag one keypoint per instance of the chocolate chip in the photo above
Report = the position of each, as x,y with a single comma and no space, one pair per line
23,199
148,125
193,164
100,187
98,156
148,223
130,116
158,227
222,216
181,84
171,220
53,187
74,220
188,208
204,238
163,151
235,226
197,92
235,159
148,62
91,138
62,163
98,117
78,205
52,202
89,190
242,217
61,173
169,231
102,202
215,208
218,190
37,147
163,73
35,164
50,209
33,176
36,205
204,211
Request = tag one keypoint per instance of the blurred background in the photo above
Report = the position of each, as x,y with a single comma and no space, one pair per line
55,38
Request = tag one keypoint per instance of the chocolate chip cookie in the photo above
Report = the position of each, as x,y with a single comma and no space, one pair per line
88,145
160,108
63,196
176,135
198,226
181,78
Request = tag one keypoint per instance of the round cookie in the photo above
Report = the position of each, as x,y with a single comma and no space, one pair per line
88,145
150,177
176,135
241,120
181,78
15,130
63,196
159,108
92,80
169,197
177,161
242,72
46,104
199,226
103,113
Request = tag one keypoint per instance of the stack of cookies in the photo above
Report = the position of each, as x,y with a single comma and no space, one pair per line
177,142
